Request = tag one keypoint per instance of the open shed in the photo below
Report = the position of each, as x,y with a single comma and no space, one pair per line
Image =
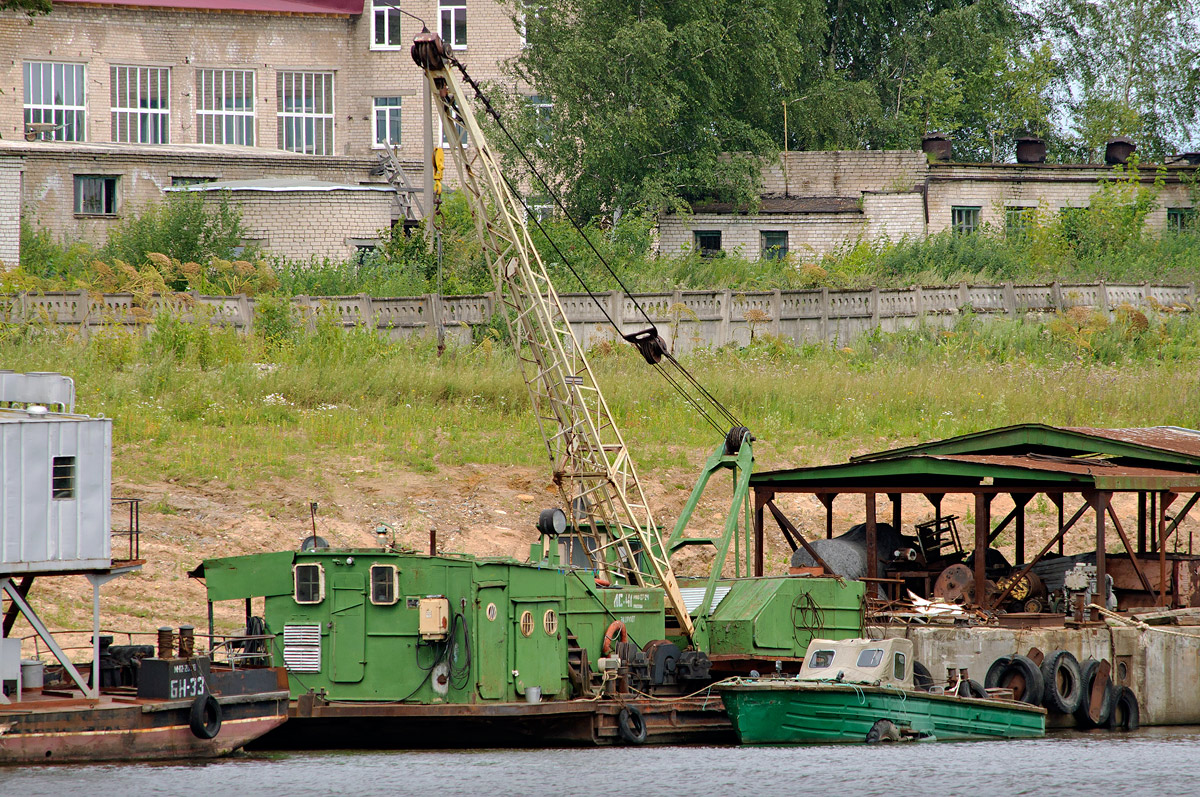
1160,466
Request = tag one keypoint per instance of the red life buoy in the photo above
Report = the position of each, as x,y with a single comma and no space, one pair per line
613,627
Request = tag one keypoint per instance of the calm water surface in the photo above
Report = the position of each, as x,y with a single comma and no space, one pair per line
1151,761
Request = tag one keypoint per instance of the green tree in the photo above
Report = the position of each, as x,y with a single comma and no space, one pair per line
30,7
182,226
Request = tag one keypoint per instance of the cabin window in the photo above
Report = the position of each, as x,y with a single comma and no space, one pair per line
898,667
384,580
870,657
820,659
310,583
550,622
62,479
526,623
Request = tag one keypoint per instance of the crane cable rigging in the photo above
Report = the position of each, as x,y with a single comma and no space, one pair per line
648,342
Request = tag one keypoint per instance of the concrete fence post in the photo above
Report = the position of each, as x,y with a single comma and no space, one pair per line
825,336
616,309
246,311
1010,299
724,335
83,307
776,312
1102,298
918,302
964,296
366,316
875,307
1056,296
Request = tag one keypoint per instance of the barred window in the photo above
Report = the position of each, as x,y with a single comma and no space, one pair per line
1017,221
385,27
309,583
1181,219
774,244
140,97
62,478
708,242
964,220
225,106
387,121
55,104
383,584
305,112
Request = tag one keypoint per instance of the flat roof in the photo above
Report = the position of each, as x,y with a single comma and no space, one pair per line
278,184
325,7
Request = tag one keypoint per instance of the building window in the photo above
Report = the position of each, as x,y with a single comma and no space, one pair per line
225,106
708,242
96,194
387,121
528,11
964,220
463,138
62,479
1181,219
184,181
310,583
385,27
55,108
1017,222
453,14
305,112
774,244
541,108
384,582
539,206
140,97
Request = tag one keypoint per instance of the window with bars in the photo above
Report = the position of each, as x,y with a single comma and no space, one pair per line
96,194
774,244
964,220
309,583
541,108
387,121
385,27
384,579
62,479
305,112
708,242
140,98
55,104
1181,219
453,14
225,106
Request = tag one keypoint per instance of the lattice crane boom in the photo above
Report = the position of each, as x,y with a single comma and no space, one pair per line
591,464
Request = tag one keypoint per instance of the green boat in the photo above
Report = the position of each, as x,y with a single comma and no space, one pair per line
862,690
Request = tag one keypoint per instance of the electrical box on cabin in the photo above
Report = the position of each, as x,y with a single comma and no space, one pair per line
434,622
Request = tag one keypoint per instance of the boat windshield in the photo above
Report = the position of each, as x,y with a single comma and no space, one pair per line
870,657
820,659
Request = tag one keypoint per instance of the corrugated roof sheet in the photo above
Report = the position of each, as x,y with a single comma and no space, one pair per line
335,7
1166,438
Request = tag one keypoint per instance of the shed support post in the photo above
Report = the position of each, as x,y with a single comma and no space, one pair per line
1141,528
827,500
1058,502
872,539
1100,506
983,522
895,498
760,499
1021,500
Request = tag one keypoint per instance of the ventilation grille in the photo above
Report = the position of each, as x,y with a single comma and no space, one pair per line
302,648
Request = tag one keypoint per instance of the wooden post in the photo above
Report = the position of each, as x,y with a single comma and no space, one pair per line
895,497
760,499
872,541
1100,506
1141,529
983,522
827,500
1021,500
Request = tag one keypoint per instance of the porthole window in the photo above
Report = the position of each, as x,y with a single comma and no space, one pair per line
384,584
491,611
550,622
309,583
526,623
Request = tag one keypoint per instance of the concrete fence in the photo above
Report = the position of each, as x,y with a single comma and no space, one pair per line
686,319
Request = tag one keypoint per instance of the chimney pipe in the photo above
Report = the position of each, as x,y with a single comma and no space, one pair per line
1118,149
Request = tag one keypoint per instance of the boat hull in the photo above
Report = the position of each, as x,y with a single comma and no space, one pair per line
826,713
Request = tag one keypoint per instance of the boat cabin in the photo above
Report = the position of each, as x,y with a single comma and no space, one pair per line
879,662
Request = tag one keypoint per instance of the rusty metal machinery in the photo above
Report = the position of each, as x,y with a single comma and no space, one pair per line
591,463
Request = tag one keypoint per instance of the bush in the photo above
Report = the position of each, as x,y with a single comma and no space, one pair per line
183,227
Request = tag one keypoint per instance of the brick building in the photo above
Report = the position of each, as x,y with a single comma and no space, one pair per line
814,202
125,98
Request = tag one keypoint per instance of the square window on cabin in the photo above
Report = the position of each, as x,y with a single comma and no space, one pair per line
774,244
309,583
1017,222
964,220
383,584
62,479
820,659
96,194
1181,219
898,667
708,242
870,657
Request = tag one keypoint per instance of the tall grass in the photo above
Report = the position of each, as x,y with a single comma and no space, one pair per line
204,405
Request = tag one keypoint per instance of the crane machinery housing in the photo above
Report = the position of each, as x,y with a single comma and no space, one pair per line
389,637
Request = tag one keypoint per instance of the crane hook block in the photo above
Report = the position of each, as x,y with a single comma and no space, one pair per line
428,51
651,345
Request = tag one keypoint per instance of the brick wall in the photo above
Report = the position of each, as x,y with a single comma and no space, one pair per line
810,235
894,216
313,224
10,211
845,173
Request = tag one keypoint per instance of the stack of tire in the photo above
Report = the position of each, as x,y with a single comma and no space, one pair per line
1064,686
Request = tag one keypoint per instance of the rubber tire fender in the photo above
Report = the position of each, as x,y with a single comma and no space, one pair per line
1062,664
205,717
921,678
631,725
1082,719
1125,715
882,731
992,679
971,688
1035,688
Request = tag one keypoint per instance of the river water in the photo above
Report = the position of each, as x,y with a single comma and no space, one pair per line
1151,761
